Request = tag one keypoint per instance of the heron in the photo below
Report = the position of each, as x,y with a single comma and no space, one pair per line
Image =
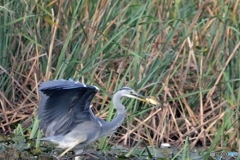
66,118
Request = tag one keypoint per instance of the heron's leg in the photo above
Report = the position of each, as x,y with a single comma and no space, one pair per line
75,144
80,156
77,158
77,152
80,140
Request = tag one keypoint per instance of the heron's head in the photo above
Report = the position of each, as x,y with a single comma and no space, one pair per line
129,92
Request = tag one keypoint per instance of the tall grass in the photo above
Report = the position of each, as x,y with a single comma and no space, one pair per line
185,52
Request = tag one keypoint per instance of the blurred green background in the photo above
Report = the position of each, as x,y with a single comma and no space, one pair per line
185,52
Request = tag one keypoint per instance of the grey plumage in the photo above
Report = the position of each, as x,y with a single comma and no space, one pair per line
66,117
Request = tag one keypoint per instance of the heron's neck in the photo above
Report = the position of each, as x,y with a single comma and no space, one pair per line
111,126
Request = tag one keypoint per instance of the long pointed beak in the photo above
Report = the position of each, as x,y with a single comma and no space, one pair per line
140,97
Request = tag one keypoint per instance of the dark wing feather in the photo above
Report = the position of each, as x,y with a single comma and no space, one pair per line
63,105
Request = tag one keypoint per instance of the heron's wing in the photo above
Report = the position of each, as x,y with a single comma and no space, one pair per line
63,105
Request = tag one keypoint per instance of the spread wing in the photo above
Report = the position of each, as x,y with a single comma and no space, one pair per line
63,105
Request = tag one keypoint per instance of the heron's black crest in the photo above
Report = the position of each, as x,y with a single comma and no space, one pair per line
125,88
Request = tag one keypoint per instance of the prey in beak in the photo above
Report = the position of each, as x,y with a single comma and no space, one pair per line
150,99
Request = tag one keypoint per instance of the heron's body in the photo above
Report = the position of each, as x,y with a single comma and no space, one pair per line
66,117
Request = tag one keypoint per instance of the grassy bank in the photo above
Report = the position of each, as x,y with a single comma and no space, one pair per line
184,52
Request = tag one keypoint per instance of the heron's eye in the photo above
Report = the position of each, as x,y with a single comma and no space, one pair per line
131,92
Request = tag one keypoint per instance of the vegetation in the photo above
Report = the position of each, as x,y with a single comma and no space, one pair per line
184,52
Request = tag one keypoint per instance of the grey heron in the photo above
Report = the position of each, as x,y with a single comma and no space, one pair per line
66,118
